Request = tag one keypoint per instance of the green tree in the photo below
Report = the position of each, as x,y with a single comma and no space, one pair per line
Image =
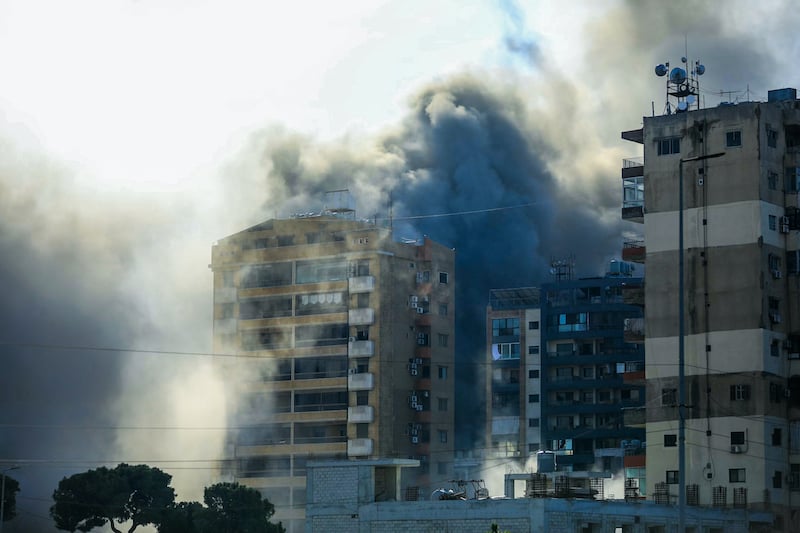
234,508
229,508
10,498
137,494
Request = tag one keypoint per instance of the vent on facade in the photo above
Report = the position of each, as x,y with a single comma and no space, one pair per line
736,449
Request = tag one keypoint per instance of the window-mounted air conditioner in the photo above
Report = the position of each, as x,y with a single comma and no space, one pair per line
735,448
777,274
352,339
414,372
420,310
414,440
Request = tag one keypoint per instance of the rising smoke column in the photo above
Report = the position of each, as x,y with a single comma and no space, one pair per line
465,149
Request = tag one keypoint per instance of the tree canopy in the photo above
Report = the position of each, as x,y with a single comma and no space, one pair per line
229,508
137,493
10,498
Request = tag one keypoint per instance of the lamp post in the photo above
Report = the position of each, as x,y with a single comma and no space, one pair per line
3,493
681,349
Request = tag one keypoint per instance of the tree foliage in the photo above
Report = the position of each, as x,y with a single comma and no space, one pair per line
10,498
229,508
138,494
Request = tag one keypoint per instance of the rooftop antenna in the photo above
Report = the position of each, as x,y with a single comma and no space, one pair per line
683,85
563,269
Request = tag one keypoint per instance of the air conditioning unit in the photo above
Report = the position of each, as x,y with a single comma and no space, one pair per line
777,274
414,440
422,341
420,310
352,339
775,317
414,405
414,399
784,228
784,221
414,372
735,448
418,360
419,407
414,301
352,371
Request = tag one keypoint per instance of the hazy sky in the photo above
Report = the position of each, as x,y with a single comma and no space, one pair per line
134,133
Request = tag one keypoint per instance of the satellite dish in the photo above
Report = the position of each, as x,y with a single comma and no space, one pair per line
690,99
682,106
661,70
677,75
700,69
683,59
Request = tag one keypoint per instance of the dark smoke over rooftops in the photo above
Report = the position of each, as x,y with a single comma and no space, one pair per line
465,149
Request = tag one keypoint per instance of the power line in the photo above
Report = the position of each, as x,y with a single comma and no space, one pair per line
458,213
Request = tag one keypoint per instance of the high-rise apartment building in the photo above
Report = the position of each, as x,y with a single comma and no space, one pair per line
740,170
343,347
560,364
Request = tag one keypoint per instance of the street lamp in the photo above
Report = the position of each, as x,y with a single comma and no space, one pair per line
3,493
681,350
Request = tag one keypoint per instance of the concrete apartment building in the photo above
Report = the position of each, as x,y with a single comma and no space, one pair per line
343,348
742,313
563,372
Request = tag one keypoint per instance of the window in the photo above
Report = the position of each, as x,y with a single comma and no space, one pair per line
777,437
533,447
362,397
533,374
533,398
505,327
772,137
533,422
587,372
772,180
776,393
772,222
442,404
670,440
227,278
740,392
775,348
794,476
442,309
733,138
442,339
672,477
226,311
312,238
442,372
362,431
533,324
285,240
362,300
777,480
737,438
736,475
792,180
671,145
443,436
533,350
505,350
587,397
669,397
443,278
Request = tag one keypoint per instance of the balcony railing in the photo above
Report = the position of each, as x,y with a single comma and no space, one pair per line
361,317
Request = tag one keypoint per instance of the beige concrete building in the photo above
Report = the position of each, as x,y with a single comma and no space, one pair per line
742,319
342,347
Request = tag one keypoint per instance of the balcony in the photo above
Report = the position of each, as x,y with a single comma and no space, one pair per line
632,167
361,317
634,416
634,330
360,414
361,284
359,447
361,348
362,381
634,251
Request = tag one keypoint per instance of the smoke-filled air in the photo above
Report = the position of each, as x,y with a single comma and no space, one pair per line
133,135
